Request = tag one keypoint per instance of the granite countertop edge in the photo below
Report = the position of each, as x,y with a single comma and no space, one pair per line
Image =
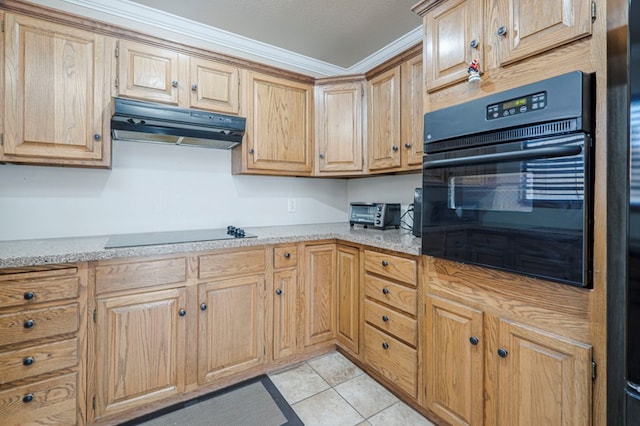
37,252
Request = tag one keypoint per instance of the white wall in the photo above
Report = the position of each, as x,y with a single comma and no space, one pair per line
157,188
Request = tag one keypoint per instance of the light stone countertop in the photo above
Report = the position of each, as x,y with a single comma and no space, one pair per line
66,250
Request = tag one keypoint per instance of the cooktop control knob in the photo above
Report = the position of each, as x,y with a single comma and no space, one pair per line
235,231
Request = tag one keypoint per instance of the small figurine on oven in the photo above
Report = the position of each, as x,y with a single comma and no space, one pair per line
474,71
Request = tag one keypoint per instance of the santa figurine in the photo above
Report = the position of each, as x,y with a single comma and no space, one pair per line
474,71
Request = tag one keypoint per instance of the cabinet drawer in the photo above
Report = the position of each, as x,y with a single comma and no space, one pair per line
23,363
392,322
125,276
47,402
38,323
29,288
393,294
394,267
392,359
244,262
285,257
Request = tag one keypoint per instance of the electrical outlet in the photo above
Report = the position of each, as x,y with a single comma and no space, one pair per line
291,205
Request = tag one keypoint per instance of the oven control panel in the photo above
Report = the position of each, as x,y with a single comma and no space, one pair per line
516,106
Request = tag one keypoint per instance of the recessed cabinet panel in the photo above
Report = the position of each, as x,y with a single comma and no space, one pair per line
450,30
531,29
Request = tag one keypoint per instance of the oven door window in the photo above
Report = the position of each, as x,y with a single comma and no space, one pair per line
506,192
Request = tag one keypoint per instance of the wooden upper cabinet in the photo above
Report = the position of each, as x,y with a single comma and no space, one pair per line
157,74
56,103
412,118
383,120
278,139
339,128
214,86
147,72
542,378
452,28
532,27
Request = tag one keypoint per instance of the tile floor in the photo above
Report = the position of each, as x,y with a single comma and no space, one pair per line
331,390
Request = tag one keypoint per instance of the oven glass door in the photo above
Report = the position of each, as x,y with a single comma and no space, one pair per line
517,206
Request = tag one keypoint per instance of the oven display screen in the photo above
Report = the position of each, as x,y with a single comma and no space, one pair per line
517,106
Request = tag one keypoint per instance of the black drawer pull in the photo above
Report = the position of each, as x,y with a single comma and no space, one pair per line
28,361
287,255
385,263
385,318
474,340
385,291
502,353
29,324
279,291
182,312
203,307
385,345
29,295
27,398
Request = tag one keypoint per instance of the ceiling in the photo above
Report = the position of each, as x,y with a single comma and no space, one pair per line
315,37
335,31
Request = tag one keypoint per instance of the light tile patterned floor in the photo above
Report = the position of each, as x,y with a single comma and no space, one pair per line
331,390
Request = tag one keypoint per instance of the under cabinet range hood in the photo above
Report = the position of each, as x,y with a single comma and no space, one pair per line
140,121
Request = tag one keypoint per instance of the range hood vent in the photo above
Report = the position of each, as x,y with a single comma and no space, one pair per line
140,121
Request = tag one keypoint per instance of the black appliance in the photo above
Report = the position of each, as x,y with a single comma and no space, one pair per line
507,180
173,237
633,257
417,212
140,121
375,215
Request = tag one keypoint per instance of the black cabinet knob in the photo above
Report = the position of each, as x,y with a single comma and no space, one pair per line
29,324
502,31
28,361
385,318
502,353
385,345
182,312
385,291
27,398
203,307
321,155
473,44
395,148
385,263
252,151
279,291
174,83
287,255
194,87
29,295
474,340
407,145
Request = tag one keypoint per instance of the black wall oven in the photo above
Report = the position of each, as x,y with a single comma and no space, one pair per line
507,180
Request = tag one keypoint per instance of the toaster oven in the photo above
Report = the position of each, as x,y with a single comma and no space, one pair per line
375,215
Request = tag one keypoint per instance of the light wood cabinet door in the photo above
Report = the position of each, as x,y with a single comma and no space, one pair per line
348,297
140,347
148,72
214,86
279,126
543,379
318,294
412,118
383,121
452,28
454,364
231,327
56,103
339,127
531,27
285,284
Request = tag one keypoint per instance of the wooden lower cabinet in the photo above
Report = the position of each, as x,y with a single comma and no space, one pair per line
230,327
348,298
140,349
477,362
318,294
285,299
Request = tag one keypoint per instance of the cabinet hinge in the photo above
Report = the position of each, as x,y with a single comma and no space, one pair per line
593,11
117,82
93,402
95,315
117,51
2,26
361,91
593,370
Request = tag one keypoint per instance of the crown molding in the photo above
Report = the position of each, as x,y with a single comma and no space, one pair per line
134,13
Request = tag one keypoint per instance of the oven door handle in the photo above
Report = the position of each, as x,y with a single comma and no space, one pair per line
503,157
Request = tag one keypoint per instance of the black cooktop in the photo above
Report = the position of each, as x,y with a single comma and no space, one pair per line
171,237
